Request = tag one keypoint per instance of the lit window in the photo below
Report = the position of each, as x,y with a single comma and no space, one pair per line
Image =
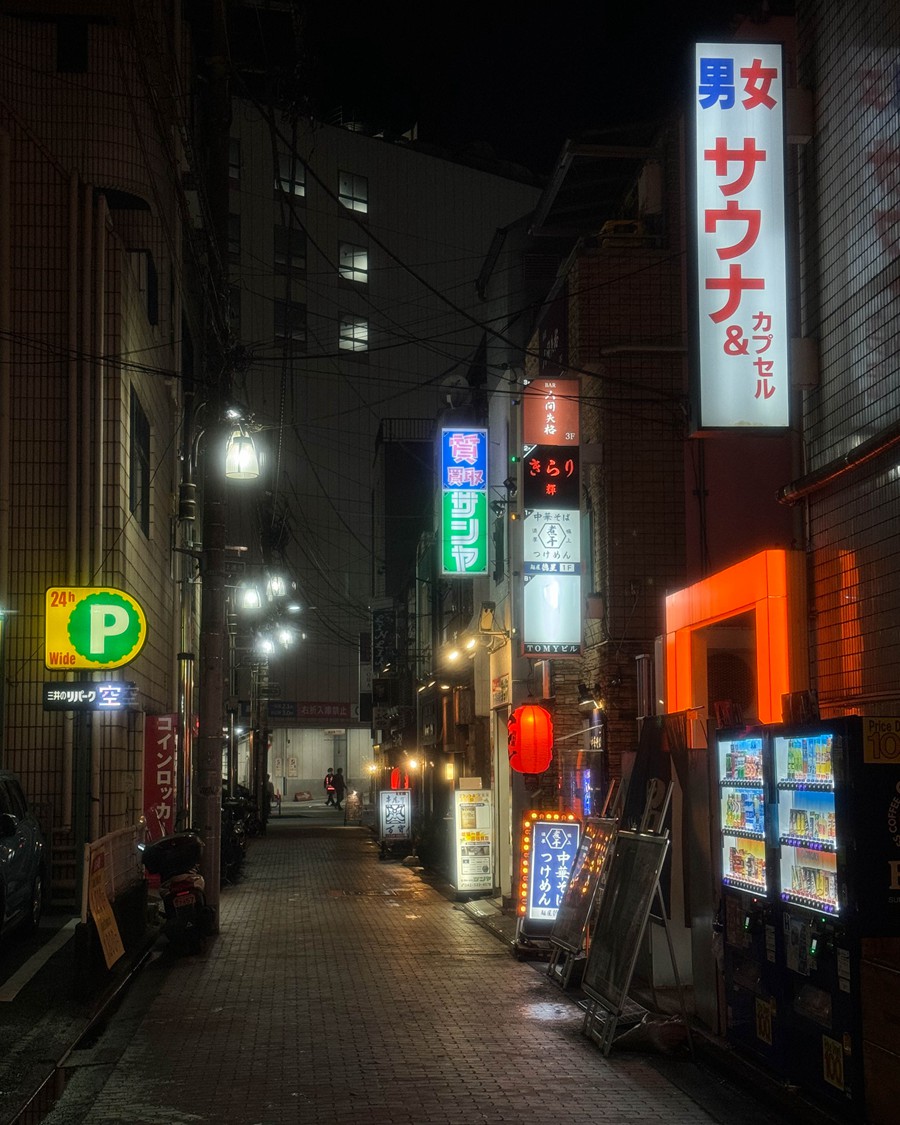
354,334
234,160
291,174
290,324
139,468
354,262
353,191
290,250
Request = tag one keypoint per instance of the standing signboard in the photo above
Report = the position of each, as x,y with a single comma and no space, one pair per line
394,815
549,846
473,840
740,324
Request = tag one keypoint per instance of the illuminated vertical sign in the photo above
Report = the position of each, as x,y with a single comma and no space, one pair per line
551,495
464,506
741,332
549,846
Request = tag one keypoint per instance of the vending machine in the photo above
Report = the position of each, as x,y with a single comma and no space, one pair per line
747,907
836,795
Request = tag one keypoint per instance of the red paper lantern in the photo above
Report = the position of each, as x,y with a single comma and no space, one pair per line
530,739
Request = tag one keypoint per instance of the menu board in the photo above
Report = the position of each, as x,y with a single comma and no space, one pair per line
585,884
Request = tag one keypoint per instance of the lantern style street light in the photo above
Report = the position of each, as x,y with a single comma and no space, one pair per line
206,772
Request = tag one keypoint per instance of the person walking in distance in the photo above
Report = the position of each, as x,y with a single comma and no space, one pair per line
329,786
339,786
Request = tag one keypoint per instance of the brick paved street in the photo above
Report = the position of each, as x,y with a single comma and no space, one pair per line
343,989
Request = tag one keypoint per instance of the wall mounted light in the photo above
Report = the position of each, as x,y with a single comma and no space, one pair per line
589,696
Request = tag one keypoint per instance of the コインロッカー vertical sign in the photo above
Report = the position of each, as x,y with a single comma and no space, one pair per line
91,627
741,332
464,507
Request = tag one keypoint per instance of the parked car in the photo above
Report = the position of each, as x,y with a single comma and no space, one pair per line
22,858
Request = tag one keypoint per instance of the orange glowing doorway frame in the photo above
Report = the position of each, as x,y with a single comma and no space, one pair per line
772,586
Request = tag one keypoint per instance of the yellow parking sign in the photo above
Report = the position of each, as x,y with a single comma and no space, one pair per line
95,627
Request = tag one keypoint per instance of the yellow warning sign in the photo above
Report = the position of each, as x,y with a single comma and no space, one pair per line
102,913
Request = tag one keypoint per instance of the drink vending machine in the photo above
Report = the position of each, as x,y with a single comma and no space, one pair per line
836,784
747,907
811,901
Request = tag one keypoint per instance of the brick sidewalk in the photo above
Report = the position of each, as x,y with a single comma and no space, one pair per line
345,989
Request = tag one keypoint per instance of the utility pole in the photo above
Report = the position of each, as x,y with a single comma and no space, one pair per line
207,781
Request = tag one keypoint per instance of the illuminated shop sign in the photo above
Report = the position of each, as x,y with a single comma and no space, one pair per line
464,508
394,814
549,846
474,840
94,627
551,413
89,696
551,495
741,325
550,476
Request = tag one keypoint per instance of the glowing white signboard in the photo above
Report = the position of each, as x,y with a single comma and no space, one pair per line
741,324
474,840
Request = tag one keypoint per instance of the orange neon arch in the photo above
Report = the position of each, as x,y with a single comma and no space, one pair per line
772,586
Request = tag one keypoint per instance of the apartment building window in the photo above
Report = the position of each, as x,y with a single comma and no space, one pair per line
290,324
291,177
290,250
139,466
353,262
354,334
353,191
234,237
234,160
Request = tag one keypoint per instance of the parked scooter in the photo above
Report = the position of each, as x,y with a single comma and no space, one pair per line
176,860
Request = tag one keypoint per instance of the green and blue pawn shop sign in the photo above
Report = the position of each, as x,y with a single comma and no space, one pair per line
92,627
464,502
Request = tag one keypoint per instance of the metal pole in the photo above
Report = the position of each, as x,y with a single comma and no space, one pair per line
207,796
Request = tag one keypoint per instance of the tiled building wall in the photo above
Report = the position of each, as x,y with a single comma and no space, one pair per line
850,198
634,411
70,134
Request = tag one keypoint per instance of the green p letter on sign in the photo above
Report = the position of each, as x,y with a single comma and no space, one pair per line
92,627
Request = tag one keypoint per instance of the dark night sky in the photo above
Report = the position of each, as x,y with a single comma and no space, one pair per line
521,76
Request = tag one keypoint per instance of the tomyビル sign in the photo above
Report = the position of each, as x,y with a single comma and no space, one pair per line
740,286
93,627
